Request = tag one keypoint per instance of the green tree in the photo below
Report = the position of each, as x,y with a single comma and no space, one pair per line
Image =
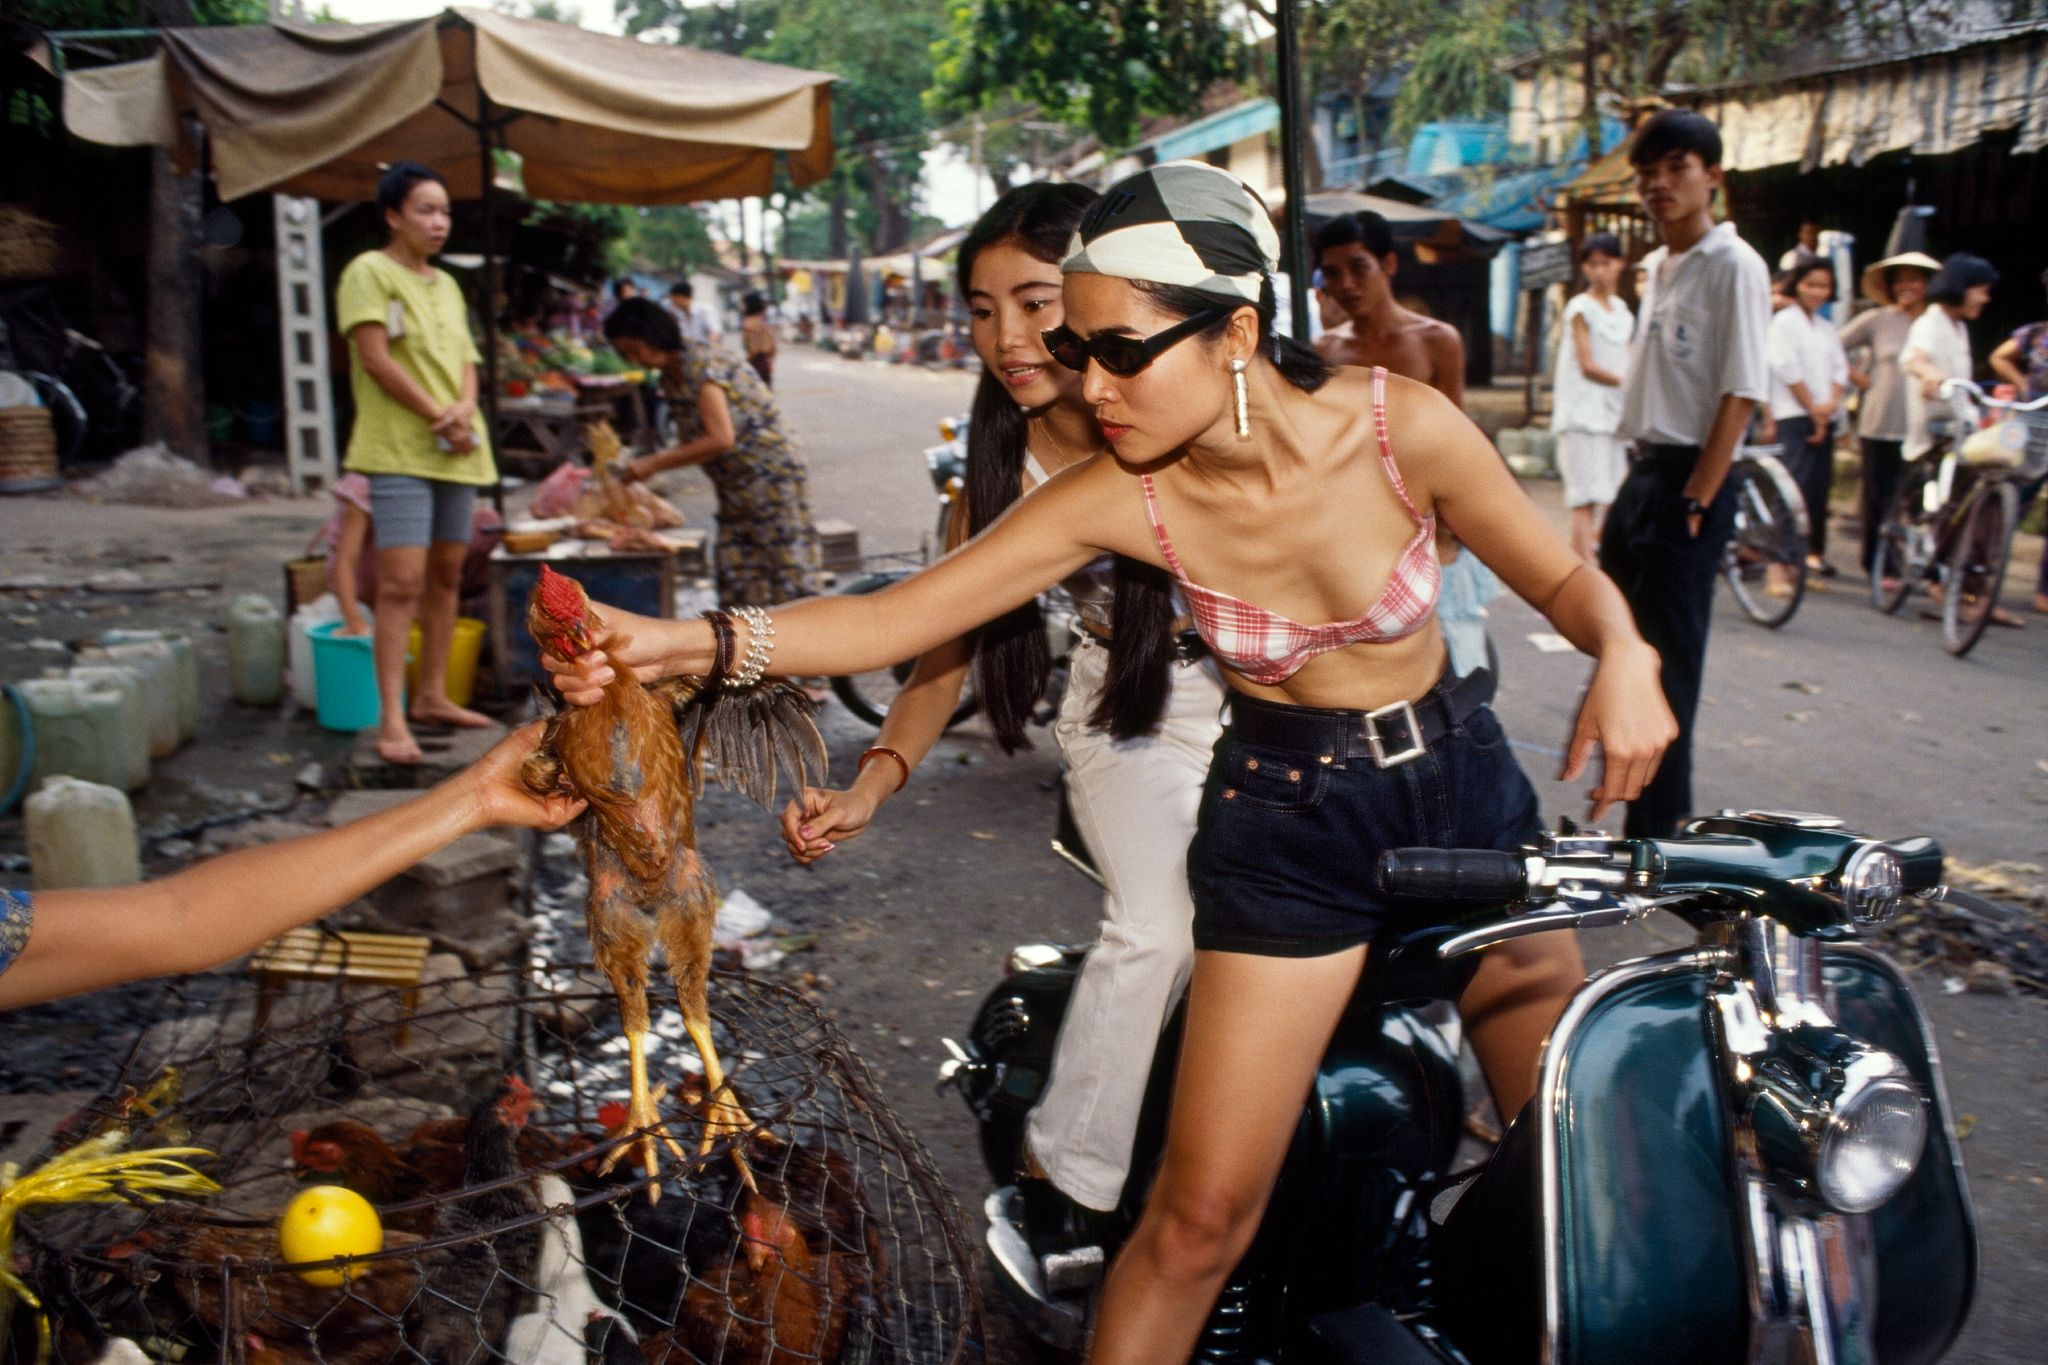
1351,46
1099,65
881,50
1457,72
666,239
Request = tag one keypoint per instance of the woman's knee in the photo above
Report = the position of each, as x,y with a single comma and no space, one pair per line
400,585
1199,1234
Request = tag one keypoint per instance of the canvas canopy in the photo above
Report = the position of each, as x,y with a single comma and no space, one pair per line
314,109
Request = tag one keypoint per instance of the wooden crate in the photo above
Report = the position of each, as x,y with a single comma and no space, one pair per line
314,955
839,546
28,444
641,582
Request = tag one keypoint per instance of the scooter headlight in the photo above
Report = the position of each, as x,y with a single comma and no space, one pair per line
1872,883
1871,1145
1840,1120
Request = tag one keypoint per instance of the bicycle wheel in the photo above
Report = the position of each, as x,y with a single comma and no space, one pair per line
1976,566
870,695
1765,562
1900,559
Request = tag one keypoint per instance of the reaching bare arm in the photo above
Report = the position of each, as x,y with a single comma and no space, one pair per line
86,939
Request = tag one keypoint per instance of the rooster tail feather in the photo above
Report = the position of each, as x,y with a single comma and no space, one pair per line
745,739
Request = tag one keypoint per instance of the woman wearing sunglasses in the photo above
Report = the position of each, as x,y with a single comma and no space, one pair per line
1269,488
1137,721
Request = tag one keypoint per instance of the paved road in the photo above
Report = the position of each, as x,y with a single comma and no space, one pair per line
1842,711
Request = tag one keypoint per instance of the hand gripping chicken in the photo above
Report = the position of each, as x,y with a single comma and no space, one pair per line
637,757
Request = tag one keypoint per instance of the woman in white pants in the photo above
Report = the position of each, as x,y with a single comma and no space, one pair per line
1135,730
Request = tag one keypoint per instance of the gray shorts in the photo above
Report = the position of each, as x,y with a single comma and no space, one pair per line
405,510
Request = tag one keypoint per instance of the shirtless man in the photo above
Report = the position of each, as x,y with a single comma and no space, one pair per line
1356,253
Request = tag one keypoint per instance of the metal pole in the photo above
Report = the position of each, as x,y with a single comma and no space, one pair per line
1294,246
487,164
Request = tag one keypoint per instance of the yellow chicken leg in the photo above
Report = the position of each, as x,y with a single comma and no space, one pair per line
644,1116
722,1115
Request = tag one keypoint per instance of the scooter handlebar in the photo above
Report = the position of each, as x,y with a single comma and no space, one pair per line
1454,874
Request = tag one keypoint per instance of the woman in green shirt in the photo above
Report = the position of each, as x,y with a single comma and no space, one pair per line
419,439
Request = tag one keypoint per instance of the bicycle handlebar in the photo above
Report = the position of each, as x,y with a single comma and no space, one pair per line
1951,387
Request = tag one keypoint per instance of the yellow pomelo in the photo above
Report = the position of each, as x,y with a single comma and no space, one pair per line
324,1221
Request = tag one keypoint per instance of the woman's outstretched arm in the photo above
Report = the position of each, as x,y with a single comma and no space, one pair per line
83,940
1039,541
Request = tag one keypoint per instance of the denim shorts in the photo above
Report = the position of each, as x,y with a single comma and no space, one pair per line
1286,851
405,510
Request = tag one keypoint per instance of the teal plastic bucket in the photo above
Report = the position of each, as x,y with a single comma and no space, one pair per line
344,679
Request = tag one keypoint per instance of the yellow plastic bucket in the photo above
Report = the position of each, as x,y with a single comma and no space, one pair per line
464,649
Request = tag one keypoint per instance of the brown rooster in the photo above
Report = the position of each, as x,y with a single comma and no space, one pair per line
638,757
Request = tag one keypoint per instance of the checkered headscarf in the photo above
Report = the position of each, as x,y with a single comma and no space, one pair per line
1183,223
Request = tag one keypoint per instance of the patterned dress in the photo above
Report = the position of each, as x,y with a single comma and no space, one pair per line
14,921
767,550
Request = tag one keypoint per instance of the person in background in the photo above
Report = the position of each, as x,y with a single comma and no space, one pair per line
1809,375
758,334
1355,255
351,553
1696,371
1937,347
622,289
727,421
682,306
1586,408
419,438
60,943
2022,359
1872,341
1805,249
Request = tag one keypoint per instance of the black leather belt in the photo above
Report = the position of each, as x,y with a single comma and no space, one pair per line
1661,452
1386,738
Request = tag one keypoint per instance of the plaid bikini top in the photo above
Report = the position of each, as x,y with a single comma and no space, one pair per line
1266,647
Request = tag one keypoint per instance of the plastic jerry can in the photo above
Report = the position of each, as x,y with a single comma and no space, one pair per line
81,834
187,660
299,646
134,716
152,662
77,729
256,650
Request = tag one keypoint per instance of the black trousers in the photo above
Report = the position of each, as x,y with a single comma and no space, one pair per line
1813,468
1667,574
1878,485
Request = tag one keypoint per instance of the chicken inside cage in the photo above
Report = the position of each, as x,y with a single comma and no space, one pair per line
503,1233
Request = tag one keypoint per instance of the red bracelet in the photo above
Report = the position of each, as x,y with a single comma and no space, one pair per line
884,751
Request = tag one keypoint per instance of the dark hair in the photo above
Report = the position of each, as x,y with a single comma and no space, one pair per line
395,186
645,321
753,304
1367,228
1958,274
1012,661
622,284
1606,243
1790,280
1676,130
682,289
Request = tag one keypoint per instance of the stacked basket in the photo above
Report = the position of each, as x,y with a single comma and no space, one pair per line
28,444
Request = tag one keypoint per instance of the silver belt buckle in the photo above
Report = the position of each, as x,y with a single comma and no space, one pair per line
1378,745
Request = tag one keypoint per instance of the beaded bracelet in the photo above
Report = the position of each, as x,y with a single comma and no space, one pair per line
760,646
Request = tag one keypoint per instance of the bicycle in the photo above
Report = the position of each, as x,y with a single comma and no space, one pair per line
1765,561
1952,520
95,404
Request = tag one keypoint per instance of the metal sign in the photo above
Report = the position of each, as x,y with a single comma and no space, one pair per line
1545,264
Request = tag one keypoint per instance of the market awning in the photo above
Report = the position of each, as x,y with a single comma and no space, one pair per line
1218,130
1418,223
1931,104
315,109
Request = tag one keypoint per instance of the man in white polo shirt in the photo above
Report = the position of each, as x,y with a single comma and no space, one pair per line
1696,371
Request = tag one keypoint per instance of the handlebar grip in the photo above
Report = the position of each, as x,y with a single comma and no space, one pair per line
1920,861
1453,874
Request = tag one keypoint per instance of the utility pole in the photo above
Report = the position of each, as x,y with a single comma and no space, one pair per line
974,155
173,377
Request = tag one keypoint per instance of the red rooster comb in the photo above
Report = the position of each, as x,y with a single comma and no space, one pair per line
560,596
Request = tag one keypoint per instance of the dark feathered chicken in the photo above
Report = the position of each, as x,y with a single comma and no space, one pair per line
638,757
472,1289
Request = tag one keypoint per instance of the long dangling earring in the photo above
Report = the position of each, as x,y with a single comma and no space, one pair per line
1244,413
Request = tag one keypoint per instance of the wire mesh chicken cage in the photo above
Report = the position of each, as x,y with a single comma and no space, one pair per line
476,1115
